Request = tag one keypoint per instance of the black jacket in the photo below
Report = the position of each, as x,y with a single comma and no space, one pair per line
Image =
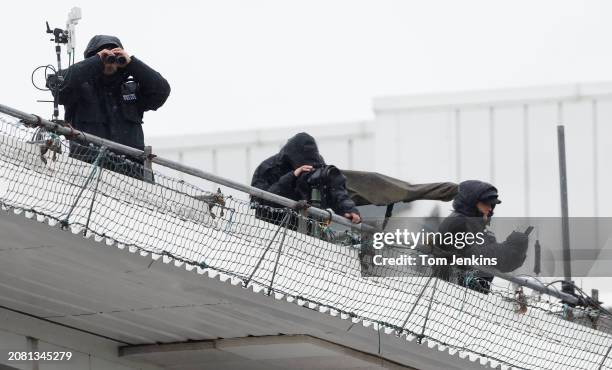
275,175
111,107
466,218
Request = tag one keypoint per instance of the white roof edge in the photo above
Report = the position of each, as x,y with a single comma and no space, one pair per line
262,136
504,96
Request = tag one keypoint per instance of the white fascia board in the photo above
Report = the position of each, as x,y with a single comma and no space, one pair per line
494,97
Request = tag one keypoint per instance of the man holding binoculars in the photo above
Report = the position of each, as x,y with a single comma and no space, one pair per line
106,95
114,59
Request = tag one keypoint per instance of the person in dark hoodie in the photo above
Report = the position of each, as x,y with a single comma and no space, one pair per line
473,208
107,93
285,174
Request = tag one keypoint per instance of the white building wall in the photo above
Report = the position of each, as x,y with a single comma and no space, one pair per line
507,137
20,333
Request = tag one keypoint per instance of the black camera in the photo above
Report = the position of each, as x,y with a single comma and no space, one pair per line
322,176
314,186
112,59
54,81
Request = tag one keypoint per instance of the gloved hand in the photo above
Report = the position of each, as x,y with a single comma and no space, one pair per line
516,245
518,242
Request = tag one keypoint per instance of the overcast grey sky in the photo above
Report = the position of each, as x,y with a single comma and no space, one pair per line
249,64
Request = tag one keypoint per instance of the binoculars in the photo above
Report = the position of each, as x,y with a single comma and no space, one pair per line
112,59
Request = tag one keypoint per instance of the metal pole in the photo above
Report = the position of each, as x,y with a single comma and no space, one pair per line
148,168
69,132
567,265
280,200
72,133
532,284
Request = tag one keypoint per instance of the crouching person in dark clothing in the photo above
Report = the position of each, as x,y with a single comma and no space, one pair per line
473,208
106,95
295,172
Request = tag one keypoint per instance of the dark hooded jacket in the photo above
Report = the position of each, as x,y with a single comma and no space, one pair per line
111,107
467,218
275,175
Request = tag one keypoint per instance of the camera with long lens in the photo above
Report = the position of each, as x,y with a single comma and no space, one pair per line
113,59
314,185
322,176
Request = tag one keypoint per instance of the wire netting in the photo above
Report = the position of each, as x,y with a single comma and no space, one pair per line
282,253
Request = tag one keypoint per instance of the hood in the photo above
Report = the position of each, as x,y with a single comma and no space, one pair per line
301,149
97,42
469,193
